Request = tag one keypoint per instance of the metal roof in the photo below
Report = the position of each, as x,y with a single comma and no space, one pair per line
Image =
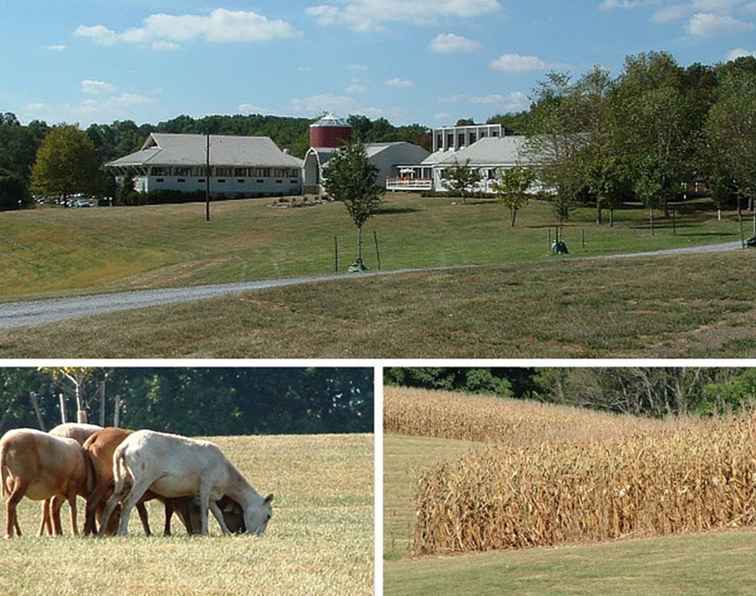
330,120
189,150
484,152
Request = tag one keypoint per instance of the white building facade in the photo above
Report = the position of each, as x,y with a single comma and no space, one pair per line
482,147
239,166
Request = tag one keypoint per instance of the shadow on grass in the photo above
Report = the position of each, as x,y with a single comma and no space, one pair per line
396,210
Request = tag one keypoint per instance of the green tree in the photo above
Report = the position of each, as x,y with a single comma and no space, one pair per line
351,179
462,178
66,163
511,188
556,135
731,130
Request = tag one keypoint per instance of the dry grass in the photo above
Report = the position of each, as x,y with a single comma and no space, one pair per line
551,475
320,540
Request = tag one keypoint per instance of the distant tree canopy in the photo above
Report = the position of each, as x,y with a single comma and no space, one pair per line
655,392
66,163
199,401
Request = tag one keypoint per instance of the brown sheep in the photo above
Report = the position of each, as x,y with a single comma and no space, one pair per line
40,466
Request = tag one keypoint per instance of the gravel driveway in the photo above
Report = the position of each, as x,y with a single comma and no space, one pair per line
40,312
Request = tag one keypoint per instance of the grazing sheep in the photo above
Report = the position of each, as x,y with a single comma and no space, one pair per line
79,432
101,447
174,466
40,466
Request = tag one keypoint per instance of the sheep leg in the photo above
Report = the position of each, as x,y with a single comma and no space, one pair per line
45,518
93,502
11,515
119,492
219,517
204,506
185,515
137,492
144,518
169,508
72,506
57,504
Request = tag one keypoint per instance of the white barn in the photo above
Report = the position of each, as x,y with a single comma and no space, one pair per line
239,166
384,156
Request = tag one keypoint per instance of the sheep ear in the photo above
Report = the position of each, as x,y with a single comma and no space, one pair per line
269,498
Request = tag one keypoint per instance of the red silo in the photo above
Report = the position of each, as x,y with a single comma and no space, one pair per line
329,132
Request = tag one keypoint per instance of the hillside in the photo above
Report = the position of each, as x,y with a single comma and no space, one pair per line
320,540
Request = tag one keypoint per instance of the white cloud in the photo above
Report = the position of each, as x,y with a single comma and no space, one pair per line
449,43
519,63
511,102
740,53
708,24
672,13
398,83
97,87
59,47
356,87
119,106
613,4
163,31
368,15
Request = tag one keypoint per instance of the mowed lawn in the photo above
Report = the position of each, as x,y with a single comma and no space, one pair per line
320,540
705,565
680,306
55,252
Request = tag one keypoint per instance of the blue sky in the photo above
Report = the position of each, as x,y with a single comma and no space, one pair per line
426,61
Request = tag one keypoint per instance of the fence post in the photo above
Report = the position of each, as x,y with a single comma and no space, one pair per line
336,251
377,249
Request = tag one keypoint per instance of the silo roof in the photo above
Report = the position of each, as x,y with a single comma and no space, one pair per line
330,120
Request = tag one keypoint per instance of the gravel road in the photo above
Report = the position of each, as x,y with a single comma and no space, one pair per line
41,312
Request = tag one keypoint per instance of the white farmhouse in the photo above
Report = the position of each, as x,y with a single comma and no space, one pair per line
239,166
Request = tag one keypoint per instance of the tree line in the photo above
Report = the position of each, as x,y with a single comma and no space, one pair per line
654,392
191,401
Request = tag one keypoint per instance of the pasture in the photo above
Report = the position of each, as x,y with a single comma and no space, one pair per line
674,307
320,540
55,252
585,482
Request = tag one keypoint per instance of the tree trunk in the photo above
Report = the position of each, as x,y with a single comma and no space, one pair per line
81,412
599,212
102,403
360,245
62,403
651,219
37,413
116,410
719,214
514,217
611,217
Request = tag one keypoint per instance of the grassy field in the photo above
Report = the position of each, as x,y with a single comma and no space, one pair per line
705,565
681,306
320,540
711,563
52,252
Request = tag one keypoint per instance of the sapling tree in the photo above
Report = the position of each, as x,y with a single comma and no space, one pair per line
511,188
462,178
351,179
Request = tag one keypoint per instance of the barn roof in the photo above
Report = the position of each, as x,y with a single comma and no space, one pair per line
189,150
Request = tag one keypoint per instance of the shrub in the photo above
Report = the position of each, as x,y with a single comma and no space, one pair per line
13,193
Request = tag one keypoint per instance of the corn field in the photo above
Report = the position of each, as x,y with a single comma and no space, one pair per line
686,478
545,475
449,415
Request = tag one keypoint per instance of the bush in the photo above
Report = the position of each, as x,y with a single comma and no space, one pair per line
13,193
469,380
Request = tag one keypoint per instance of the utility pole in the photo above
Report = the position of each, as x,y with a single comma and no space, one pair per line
207,180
